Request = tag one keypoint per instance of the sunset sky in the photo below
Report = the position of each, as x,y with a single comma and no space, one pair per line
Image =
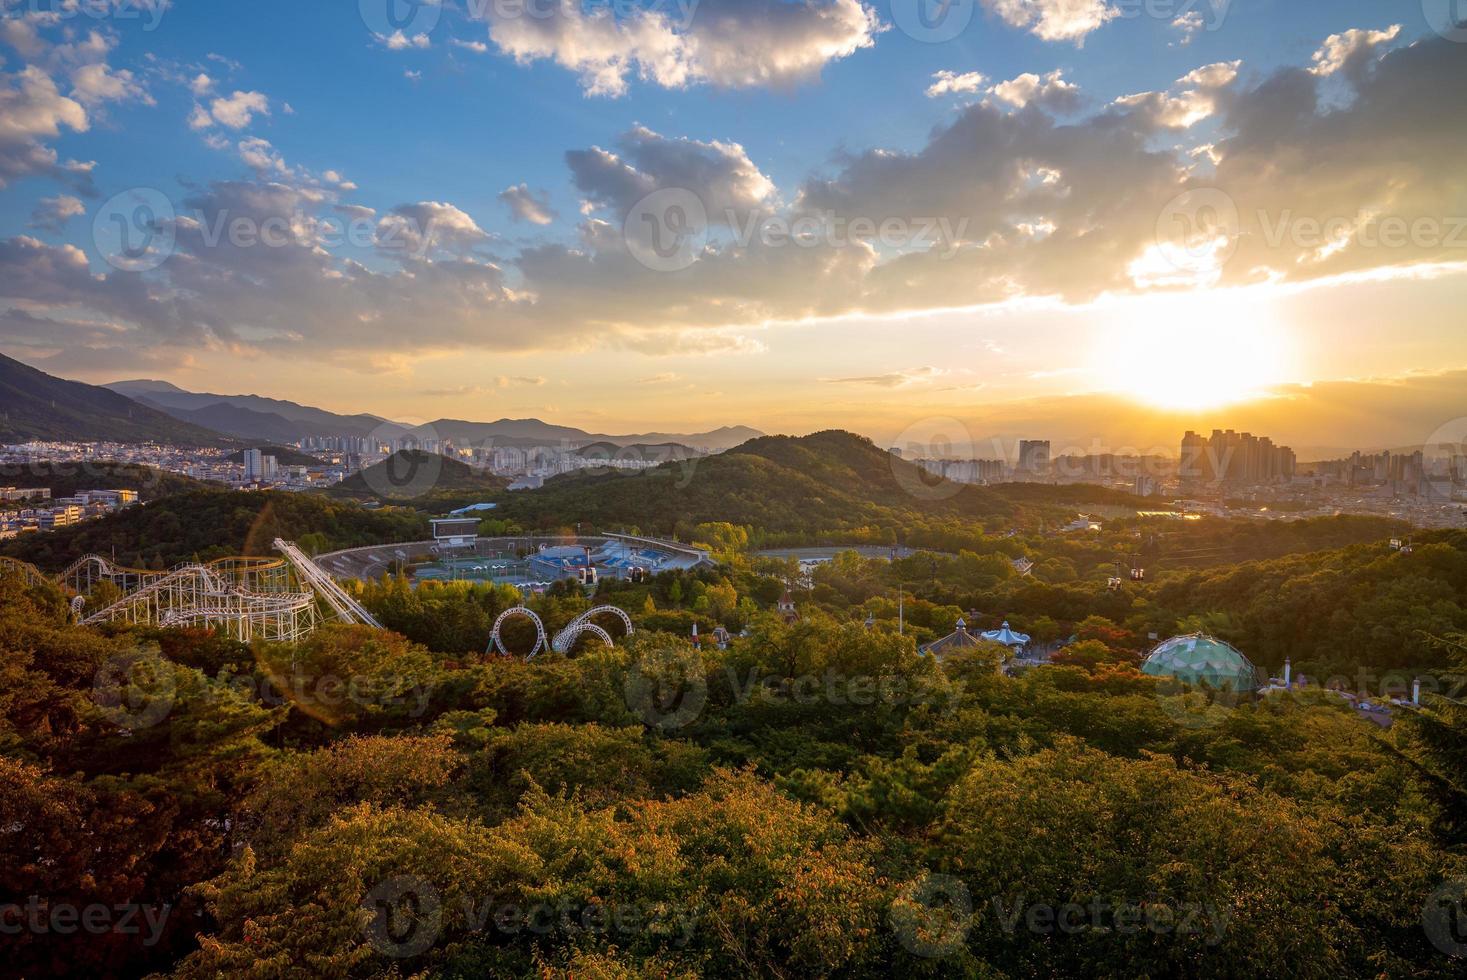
1098,220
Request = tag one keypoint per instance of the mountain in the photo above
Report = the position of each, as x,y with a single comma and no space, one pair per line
253,416
827,482
527,433
420,479
34,405
273,420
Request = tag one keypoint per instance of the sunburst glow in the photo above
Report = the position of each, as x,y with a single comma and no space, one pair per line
1194,352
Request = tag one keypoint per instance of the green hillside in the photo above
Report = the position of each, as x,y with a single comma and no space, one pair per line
34,405
419,479
208,524
66,479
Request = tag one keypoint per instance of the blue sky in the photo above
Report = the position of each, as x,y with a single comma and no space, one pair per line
767,106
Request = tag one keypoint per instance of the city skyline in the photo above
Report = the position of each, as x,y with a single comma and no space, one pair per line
1120,253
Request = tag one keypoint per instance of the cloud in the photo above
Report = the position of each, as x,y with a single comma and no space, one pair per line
525,206
235,112
720,174
52,213
429,226
398,41
950,83
1194,97
1190,23
1043,208
1055,20
32,110
478,47
894,379
1050,91
1354,47
728,44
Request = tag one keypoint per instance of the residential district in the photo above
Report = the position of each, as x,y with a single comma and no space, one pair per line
1227,473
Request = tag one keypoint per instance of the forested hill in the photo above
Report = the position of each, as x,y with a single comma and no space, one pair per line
419,479
66,479
34,405
208,524
831,484
826,482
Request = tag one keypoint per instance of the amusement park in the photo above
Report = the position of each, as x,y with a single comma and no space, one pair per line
286,597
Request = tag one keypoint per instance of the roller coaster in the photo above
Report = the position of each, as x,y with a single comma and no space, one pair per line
244,598
565,640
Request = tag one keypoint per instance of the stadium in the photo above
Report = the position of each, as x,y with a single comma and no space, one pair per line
531,563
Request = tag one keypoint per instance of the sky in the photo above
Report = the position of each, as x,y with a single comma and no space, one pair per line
1093,220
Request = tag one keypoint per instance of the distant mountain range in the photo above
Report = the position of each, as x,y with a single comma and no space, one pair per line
34,405
255,418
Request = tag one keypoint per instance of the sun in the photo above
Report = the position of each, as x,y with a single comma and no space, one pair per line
1192,352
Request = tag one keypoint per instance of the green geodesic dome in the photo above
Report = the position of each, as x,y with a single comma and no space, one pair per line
1198,660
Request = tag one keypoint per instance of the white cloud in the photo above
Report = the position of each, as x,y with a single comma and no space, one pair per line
524,205
478,47
235,112
52,213
398,41
728,44
1051,91
1190,23
951,83
1340,50
202,85
31,110
1055,20
418,230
